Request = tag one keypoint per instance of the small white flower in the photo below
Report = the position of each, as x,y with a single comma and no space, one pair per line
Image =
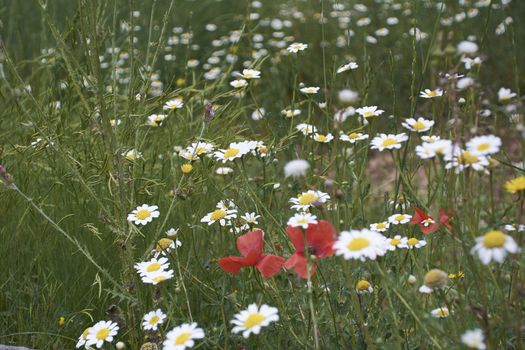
288,113
441,312
389,141
239,83
431,93
369,111
505,94
101,332
419,125
296,168
474,339
494,245
308,199
360,245
310,90
143,214
250,74
412,243
347,67
182,337
484,145
176,103
302,220
352,137
152,319
296,47
306,129
467,47
380,226
253,319
250,218
323,138
397,219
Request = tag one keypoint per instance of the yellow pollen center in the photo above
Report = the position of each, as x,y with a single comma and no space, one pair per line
153,267
395,242
254,320
432,94
467,158
159,279
358,244
231,152
483,147
389,142
442,313
153,321
217,215
363,285
102,334
494,239
399,218
143,214
183,338
200,150
308,198
419,126
353,136
381,225
412,241
368,114
321,138
164,243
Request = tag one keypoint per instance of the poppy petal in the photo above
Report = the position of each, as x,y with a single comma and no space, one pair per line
269,265
418,217
298,263
443,218
321,238
250,242
231,264
297,237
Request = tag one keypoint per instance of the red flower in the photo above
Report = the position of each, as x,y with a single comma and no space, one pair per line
319,241
427,223
250,246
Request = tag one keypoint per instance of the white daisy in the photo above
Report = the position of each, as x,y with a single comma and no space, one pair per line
253,319
182,337
431,93
361,245
412,243
302,220
347,66
460,160
235,150
296,47
397,219
296,168
425,151
155,120
323,138
389,141
157,277
222,215
430,138
250,218
394,243
306,129
505,94
369,111
308,199
310,90
175,103
83,338
251,74
143,214
288,113
239,83
132,155
152,319
352,137
223,170
419,125
441,312
474,339
484,145
102,331
380,226
494,245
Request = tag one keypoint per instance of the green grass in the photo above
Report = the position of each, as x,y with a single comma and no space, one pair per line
68,250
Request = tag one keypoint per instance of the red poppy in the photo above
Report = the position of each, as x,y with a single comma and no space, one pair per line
319,242
427,223
250,246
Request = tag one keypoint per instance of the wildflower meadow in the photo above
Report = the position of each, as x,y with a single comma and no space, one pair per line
262,174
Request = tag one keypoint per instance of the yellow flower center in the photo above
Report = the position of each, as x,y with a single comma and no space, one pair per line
153,321
321,138
308,198
358,244
494,239
395,242
483,147
159,279
467,158
389,142
200,150
380,226
143,214
419,126
231,152
363,285
183,338
432,93
353,136
153,267
254,320
399,218
218,214
102,334
412,241
164,243
442,313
